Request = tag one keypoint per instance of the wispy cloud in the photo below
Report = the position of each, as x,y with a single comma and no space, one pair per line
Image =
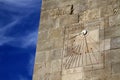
8,26
30,39
25,41
23,3
4,40
18,37
31,64
22,77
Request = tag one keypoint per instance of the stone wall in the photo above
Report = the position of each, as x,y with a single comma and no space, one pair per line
58,14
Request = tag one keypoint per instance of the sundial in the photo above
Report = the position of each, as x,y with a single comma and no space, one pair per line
82,51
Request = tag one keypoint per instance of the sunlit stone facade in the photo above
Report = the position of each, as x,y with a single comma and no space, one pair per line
66,52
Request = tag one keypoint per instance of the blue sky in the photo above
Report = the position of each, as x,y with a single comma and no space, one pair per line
19,20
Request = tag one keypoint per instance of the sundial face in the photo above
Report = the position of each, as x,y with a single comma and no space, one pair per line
82,50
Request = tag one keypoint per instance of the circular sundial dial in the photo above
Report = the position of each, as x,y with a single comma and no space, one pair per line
81,48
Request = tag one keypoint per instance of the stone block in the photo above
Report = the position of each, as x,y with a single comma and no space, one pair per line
105,44
111,2
73,29
47,5
35,77
55,33
113,55
114,20
115,42
43,35
116,68
56,66
106,22
50,4
110,10
95,75
48,67
43,42
65,10
45,45
55,54
58,43
37,67
91,15
47,76
39,74
112,32
44,16
75,76
68,20
115,77
42,68
56,76
47,21
97,24
41,57
101,34
96,3
92,3
80,6
106,11
50,19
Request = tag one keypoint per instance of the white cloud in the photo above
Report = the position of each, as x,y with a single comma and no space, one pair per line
30,39
27,3
30,65
8,26
4,40
22,77
25,41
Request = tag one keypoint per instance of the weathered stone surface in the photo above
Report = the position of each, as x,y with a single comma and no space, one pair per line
55,54
56,76
105,44
43,35
116,67
45,45
40,72
115,77
97,24
56,33
56,65
110,10
91,15
46,21
93,3
112,31
106,22
115,42
114,20
47,5
113,55
102,20
80,6
50,4
72,19
106,11
111,2
58,43
37,67
41,57
66,10
96,3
